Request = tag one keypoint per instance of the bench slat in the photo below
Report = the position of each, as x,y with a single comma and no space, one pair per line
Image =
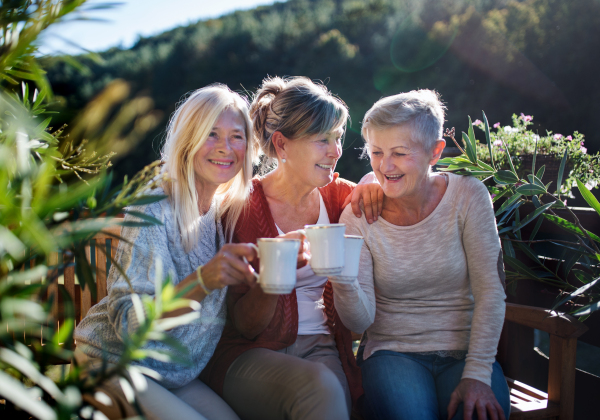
101,267
86,294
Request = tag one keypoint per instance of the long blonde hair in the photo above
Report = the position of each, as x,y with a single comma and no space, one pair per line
189,127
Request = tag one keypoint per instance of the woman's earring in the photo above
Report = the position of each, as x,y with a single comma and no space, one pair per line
283,160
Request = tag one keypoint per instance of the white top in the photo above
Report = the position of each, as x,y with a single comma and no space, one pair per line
436,285
309,291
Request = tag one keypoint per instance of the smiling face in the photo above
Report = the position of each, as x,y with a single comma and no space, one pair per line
313,158
401,165
222,155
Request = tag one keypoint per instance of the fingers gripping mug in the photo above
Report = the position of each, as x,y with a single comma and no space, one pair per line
326,248
278,259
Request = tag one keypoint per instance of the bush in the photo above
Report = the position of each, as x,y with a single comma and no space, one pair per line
55,194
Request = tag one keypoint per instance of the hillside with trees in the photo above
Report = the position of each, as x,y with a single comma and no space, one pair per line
538,57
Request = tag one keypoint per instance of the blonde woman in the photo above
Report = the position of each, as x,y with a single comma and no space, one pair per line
208,153
290,356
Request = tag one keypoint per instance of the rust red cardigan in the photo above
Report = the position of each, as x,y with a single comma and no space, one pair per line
257,222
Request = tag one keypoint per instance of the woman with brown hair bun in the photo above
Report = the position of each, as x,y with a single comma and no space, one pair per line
290,356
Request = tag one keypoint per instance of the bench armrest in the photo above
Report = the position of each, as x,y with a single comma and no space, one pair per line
556,323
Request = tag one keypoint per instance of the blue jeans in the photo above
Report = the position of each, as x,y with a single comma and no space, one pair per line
408,386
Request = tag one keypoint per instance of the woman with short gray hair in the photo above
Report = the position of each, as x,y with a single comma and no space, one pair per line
430,291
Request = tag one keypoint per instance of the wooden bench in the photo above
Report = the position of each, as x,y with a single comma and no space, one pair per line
526,402
98,253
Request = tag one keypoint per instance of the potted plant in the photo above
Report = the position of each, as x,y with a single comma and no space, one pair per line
519,185
522,144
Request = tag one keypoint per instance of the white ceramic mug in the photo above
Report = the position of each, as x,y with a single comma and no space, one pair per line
278,260
352,247
326,248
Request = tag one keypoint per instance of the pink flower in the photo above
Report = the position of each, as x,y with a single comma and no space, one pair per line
558,136
568,138
583,150
526,117
493,196
478,122
497,125
497,143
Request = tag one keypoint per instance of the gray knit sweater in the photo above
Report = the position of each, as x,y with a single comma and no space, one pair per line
114,317
433,286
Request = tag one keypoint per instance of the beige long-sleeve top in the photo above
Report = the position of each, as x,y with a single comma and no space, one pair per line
433,286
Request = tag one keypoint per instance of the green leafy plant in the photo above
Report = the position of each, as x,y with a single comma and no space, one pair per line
521,199
522,143
56,193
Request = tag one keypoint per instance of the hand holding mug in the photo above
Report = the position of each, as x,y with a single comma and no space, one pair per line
303,251
278,258
230,267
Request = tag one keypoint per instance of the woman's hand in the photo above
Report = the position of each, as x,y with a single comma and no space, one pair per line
303,253
228,267
475,395
369,193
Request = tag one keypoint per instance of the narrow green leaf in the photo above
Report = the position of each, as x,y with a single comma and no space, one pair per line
147,199
472,138
506,177
582,276
535,180
509,210
540,172
527,250
44,124
520,267
84,271
530,189
508,202
531,216
485,166
469,148
586,310
489,141
561,171
66,331
144,216
589,197
517,222
536,228
500,195
570,227
510,162
481,173
508,249
134,224
24,398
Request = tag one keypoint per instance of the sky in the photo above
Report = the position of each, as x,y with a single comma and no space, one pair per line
125,23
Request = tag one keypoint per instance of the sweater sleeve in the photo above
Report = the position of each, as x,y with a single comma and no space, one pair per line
486,274
355,303
139,255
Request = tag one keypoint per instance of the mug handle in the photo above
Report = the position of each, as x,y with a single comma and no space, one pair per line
257,276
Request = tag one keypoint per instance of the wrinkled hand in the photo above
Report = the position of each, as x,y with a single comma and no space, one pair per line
228,267
303,253
367,196
475,395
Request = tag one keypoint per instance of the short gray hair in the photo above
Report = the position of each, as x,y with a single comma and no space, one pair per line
422,109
